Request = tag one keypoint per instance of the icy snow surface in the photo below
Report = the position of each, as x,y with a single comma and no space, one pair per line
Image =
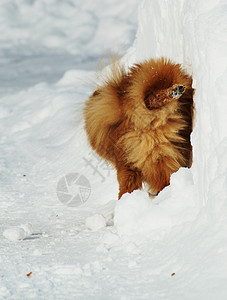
59,216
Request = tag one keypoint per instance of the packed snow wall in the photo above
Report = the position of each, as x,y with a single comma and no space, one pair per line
194,33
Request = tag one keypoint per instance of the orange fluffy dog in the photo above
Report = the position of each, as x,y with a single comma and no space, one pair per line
140,121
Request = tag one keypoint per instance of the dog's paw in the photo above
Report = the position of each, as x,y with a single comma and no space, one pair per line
178,91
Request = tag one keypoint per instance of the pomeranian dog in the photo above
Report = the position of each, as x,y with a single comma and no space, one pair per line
140,121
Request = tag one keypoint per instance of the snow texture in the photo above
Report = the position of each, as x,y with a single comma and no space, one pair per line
171,247
95,222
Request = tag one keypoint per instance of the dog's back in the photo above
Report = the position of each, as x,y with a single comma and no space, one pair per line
103,112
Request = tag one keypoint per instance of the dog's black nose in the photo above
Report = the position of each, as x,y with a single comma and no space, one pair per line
181,88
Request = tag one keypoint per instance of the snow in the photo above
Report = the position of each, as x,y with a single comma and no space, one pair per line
95,222
98,247
137,214
18,233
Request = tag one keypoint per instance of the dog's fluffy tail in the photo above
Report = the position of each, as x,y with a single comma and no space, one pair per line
103,111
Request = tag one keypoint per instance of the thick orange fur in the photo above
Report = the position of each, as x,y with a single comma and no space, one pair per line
141,121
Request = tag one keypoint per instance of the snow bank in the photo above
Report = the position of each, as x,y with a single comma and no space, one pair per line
205,28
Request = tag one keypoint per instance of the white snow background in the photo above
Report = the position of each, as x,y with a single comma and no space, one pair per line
174,247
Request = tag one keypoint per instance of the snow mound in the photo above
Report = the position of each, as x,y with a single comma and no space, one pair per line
18,233
95,222
136,213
